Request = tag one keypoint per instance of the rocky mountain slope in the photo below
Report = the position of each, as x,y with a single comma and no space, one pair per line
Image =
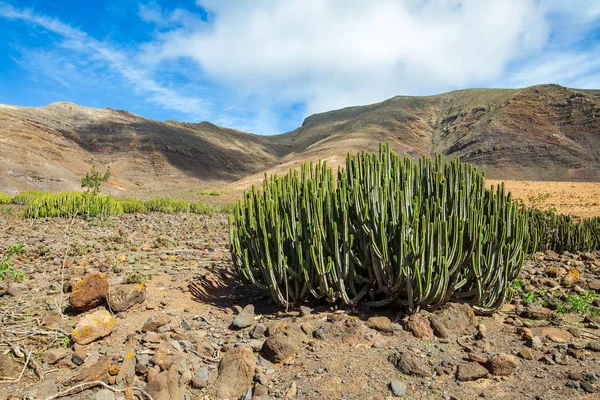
544,132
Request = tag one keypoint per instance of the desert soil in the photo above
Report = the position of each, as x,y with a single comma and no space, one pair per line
183,339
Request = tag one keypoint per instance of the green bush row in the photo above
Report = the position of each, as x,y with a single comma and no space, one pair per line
68,205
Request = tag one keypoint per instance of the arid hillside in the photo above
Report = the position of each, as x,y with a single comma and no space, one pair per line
545,132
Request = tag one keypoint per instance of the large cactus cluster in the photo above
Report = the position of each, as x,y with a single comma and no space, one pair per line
384,229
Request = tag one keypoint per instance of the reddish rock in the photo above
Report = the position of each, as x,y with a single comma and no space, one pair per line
452,321
419,326
89,292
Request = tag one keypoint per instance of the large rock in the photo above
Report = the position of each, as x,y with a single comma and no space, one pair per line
93,326
537,313
123,297
470,372
8,368
236,371
419,326
452,321
502,364
245,318
380,323
410,364
89,292
281,345
557,335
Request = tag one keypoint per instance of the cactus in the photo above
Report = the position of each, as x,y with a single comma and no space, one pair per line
387,229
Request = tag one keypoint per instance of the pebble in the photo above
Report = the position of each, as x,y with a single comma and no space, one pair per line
398,388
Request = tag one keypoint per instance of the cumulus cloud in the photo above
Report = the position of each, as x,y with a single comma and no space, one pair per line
331,54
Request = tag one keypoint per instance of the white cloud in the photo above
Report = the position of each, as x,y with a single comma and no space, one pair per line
338,53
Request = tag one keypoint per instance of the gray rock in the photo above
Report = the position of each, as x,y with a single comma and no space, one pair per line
258,331
304,311
245,318
104,394
202,373
126,373
398,388
410,364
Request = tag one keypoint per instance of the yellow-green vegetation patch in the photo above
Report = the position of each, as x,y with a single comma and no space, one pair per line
167,205
4,198
25,198
132,206
209,192
68,205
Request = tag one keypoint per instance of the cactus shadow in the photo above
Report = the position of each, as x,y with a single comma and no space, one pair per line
223,289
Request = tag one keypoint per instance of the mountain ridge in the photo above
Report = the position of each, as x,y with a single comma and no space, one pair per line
543,132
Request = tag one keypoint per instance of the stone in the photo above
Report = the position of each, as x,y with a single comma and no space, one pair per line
535,342
280,345
162,358
94,369
236,370
155,322
79,354
15,289
104,394
398,388
93,326
452,321
410,364
258,331
570,278
165,385
123,297
53,355
478,357
526,353
198,383
557,335
245,318
593,346
587,387
502,364
202,373
304,311
126,373
8,368
537,313
89,292
470,372
419,326
380,323
260,391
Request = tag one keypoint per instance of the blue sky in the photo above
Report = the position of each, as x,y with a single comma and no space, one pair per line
262,66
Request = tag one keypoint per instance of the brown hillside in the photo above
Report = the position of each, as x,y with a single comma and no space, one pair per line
544,132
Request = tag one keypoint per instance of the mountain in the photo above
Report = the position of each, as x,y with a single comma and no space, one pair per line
545,132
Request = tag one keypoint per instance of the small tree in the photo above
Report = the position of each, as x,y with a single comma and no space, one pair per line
93,179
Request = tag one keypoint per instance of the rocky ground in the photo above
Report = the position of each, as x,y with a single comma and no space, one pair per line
150,310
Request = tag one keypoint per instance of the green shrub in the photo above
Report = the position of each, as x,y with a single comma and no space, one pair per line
132,206
167,205
208,192
201,208
68,205
4,198
25,198
386,230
